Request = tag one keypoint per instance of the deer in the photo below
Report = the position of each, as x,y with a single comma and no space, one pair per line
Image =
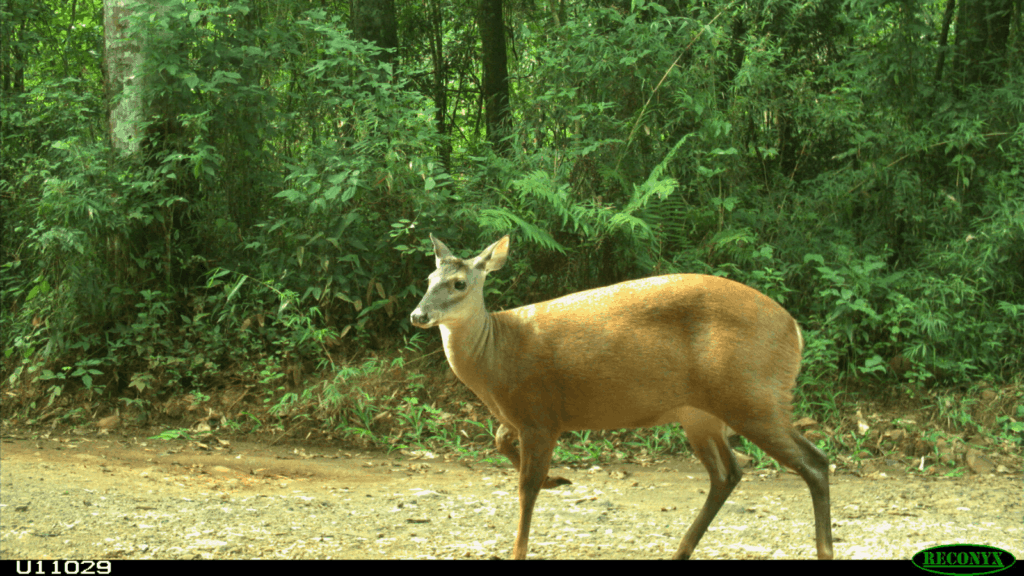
703,351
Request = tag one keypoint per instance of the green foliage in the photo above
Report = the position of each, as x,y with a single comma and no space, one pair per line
174,434
861,171
110,269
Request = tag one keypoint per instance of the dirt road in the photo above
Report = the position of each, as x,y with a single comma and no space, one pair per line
118,496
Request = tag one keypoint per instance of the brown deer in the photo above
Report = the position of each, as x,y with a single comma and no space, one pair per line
703,351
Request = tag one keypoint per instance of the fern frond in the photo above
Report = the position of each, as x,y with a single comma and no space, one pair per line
501,219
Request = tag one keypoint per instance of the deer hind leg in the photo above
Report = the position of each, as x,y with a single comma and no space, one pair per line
707,437
504,441
774,434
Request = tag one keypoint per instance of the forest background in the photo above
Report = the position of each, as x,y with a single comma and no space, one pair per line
225,205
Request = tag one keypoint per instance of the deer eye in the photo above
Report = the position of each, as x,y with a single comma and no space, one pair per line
459,285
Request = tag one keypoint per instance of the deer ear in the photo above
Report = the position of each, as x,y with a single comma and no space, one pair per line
440,251
493,257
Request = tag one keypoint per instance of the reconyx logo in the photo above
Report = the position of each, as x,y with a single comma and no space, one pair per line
960,559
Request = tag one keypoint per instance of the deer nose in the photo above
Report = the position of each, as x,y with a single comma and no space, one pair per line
419,318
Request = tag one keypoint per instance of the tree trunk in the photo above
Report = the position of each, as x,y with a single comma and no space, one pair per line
12,49
440,80
374,20
122,76
947,19
129,109
983,29
495,65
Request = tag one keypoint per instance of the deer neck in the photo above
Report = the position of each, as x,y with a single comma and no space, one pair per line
472,347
